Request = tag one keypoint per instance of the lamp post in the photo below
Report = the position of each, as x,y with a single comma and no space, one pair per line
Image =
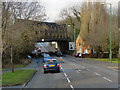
73,26
74,37
110,30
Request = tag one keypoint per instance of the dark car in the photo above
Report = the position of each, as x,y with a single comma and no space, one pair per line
78,54
51,65
59,54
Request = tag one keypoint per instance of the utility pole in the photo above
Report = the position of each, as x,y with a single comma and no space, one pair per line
110,56
110,33
74,30
74,37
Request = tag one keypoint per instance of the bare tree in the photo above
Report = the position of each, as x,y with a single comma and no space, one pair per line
92,20
12,29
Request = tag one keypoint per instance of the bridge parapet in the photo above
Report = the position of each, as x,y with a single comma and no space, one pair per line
47,30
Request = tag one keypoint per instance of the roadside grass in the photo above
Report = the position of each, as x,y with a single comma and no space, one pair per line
7,67
15,66
18,77
18,66
114,60
4,69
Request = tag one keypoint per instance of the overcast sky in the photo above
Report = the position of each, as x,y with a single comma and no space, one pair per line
53,7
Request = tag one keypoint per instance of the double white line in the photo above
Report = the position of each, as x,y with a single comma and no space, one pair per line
72,87
68,81
107,79
97,74
65,74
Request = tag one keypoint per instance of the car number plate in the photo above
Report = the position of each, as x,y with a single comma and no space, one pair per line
51,65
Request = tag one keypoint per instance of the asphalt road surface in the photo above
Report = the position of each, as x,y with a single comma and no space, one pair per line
77,73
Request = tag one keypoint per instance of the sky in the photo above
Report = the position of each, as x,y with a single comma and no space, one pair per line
53,7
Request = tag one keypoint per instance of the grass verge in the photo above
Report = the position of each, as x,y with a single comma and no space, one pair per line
18,66
18,77
4,69
114,60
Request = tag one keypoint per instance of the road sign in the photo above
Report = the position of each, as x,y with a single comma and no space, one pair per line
71,45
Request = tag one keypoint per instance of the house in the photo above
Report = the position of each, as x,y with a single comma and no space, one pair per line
81,47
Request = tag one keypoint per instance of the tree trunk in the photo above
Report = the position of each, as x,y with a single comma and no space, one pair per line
12,67
102,54
97,54
119,51
91,53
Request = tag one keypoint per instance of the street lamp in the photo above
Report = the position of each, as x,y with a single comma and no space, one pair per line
74,37
110,30
73,26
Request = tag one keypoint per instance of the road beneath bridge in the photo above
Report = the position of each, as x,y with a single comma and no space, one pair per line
63,44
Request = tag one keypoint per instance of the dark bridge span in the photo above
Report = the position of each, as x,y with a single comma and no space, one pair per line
55,33
49,31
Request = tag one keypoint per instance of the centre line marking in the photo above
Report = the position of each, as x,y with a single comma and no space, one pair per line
107,79
115,70
83,67
97,74
87,69
77,71
68,80
65,74
71,86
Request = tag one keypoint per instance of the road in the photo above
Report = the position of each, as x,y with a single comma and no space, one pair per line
77,73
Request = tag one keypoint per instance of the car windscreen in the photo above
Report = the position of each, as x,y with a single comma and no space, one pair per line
46,55
51,62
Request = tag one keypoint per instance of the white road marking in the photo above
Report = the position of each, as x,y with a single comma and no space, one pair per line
77,71
83,67
71,86
114,69
62,68
65,74
107,79
68,80
87,69
97,74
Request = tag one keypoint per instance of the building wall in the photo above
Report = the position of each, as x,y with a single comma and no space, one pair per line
80,47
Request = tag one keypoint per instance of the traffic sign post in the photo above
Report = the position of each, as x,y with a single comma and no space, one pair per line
71,45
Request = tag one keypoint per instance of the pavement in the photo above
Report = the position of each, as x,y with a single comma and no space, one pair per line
32,65
75,73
